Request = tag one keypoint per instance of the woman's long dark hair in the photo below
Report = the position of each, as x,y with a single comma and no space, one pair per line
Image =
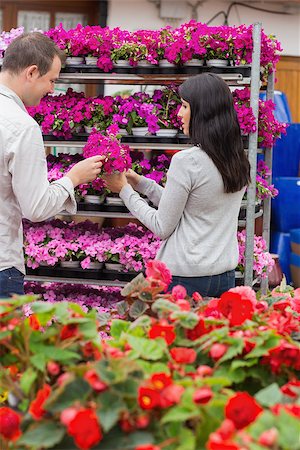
215,128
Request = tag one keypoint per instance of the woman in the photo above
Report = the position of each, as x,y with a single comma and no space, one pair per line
197,211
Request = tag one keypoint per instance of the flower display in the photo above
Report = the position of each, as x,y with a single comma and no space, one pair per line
6,37
176,45
65,115
149,384
262,259
269,128
117,155
56,241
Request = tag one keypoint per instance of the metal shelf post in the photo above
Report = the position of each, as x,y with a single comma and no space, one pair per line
252,154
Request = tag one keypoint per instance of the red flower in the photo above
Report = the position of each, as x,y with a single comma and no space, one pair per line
163,331
160,381
197,297
202,396
204,371
85,429
90,350
292,388
242,409
237,310
34,322
53,368
179,292
171,395
183,355
148,398
269,437
217,351
36,406
159,271
69,331
9,424
199,330
94,380
142,421
184,305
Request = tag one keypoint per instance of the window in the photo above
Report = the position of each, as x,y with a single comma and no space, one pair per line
70,20
34,20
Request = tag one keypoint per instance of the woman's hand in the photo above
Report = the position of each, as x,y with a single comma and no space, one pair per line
115,182
133,178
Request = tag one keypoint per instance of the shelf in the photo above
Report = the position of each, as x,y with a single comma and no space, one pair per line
114,212
45,279
135,142
239,277
233,75
79,276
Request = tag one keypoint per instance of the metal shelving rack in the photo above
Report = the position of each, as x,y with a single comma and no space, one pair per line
233,77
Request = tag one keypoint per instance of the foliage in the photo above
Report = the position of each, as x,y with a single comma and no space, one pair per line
181,377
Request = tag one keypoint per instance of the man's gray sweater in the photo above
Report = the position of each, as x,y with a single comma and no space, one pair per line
195,218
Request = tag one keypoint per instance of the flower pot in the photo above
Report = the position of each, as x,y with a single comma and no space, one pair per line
91,60
166,63
95,265
74,60
88,130
94,199
114,201
194,62
77,130
116,267
121,63
139,131
167,132
69,264
217,62
123,132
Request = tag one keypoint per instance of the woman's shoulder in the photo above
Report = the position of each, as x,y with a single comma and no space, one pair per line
193,154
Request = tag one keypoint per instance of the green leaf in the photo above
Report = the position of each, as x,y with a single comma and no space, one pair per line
27,379
118,327
39,361
116,439
270,395
163,305
289,431
66,395
261,350
236,347
151,367
186,319
43,435
135,285
187,440
148,349
89,330
180,413
122,308
54,353
109,412
137,309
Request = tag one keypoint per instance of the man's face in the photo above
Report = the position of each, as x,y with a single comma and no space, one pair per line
42,85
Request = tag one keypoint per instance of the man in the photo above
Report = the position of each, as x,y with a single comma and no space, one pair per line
31,66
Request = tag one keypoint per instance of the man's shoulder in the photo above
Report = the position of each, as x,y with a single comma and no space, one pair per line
15,119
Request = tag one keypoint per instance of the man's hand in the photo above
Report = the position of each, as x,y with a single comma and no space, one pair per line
133,178
115,181
86,170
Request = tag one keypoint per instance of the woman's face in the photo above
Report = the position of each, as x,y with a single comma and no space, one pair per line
185,114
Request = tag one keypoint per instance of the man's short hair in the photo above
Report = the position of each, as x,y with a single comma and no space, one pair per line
31,49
